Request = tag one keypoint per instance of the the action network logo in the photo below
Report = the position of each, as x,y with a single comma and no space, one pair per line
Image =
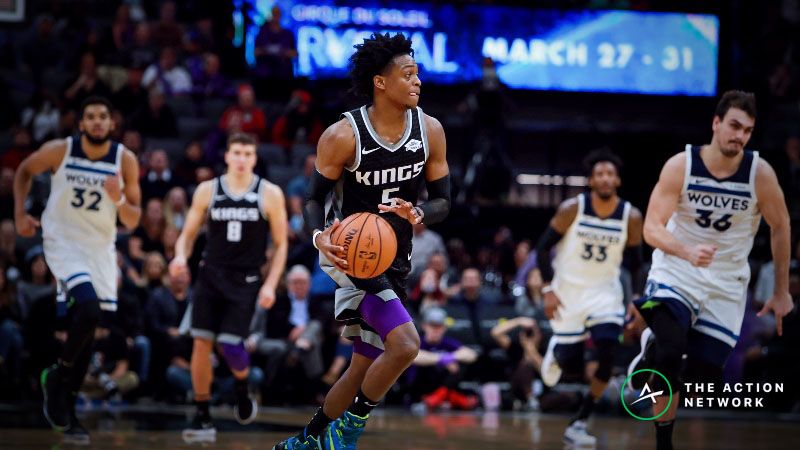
647,395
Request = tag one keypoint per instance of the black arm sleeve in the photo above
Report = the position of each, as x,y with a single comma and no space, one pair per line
549,238
314,209
438,205
632,260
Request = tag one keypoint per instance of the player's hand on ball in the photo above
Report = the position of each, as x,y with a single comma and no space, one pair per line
781,304
26,225
551,305
266,297
404,209
112,187
701,255
332,252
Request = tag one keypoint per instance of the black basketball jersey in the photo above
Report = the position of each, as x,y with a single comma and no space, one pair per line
381,172
237,226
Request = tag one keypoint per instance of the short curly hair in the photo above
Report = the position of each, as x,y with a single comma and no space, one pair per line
601,155
372,57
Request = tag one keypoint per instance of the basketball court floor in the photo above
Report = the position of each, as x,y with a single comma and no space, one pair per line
152,428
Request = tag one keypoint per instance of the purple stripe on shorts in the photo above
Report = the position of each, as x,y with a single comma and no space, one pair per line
365,350
381,315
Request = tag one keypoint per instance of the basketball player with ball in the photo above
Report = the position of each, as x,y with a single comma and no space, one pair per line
374,160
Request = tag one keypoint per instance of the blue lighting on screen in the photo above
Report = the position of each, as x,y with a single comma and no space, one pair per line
589,51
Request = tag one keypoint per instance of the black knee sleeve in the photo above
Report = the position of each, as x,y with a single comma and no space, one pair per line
670,346
605,358
86,315
570,357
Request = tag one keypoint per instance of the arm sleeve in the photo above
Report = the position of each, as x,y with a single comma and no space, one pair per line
549,238
314,209
438,205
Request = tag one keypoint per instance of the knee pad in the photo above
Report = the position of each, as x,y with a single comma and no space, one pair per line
605,358
235,355
569,357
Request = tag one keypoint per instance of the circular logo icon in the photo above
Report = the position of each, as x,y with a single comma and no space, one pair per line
646,395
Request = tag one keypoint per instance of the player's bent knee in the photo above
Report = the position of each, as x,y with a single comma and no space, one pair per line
236,356
569,357
403,343
605,358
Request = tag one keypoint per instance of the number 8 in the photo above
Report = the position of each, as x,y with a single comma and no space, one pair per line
234,231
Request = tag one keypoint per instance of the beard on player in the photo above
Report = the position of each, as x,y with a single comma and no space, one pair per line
97,136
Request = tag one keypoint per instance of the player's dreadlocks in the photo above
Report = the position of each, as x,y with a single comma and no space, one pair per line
372,57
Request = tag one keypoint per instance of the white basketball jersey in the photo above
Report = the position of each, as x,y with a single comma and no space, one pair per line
721,212
79,211
590,253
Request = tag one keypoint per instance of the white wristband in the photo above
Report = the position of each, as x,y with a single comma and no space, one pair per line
121,201
546,289
314,238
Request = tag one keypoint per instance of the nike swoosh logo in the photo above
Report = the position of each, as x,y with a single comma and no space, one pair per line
409,256
251,278
364,151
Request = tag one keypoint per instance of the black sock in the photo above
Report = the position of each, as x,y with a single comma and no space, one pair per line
241,387
202,408
362,405
586,408
664,434
317,424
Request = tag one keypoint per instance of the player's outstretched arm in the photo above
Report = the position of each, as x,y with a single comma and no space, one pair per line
278,224
48,157
772,205
335,151
194,220
128,202
663,203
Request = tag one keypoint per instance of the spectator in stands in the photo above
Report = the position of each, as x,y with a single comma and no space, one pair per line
7,195
119,37
147,236
428,293
157,118
42,116
40,50
132,140
176,207
153,270
166,307
168,240
87,84
439,365
192,159
11,320
523,352
341,359
457,255
290,336
207,81
275,50
159,178
21,147
296,187
142,52
37,282
245,115
8,237
425,242
167,75
167,32
299,124
109,372
471,297
132,96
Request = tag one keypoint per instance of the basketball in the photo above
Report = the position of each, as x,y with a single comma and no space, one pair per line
369,243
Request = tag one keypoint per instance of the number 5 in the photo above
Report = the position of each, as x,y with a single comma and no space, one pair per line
386,199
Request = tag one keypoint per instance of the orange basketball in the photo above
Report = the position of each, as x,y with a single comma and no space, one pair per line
369,243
